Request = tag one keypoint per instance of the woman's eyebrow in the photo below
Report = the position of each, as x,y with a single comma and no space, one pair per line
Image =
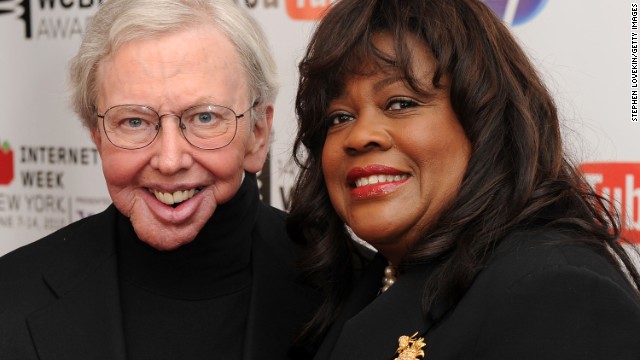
381,84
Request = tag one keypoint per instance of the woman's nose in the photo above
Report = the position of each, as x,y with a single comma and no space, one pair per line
173,150
368,132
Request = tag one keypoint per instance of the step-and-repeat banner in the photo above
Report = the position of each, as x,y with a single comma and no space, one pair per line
50,172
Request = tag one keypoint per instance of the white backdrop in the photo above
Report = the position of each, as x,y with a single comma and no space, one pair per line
50,173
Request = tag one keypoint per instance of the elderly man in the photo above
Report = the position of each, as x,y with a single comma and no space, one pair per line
187,263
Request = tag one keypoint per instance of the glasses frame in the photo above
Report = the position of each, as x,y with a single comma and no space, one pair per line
182,126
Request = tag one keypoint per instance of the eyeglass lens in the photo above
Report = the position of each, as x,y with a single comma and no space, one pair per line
136,126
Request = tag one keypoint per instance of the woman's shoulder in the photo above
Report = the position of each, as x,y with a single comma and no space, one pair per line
546,267
541,297
525,253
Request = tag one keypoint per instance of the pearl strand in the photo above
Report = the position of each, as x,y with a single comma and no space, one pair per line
389,278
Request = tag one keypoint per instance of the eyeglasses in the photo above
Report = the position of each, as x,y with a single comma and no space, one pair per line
208,127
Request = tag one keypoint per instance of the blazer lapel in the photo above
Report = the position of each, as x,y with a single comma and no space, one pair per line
85,320
364,292
280,303
374,332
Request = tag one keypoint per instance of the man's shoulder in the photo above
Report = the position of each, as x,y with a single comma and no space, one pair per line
38,255
272,239
268,212
271,225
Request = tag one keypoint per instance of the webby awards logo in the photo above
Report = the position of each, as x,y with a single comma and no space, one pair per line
514,12
619,183
49,19
23,7
6,163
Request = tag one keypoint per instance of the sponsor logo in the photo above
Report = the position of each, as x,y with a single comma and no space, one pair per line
38,199
23,7
516,12
50,19
6,163
619,183
307,9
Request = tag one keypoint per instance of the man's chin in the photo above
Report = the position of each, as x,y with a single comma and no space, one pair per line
163,236
165,241
166,245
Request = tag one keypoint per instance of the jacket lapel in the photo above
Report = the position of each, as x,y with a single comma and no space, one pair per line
85,320
373,332
280,304
364,292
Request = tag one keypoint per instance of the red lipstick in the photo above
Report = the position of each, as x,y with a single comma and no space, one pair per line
375,169
375,180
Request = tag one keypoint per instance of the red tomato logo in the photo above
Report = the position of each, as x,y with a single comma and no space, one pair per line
6,164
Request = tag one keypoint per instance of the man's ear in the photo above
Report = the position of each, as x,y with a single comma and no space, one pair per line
96,137
258,144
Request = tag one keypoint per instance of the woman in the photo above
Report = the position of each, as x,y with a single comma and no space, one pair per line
426,131
187,263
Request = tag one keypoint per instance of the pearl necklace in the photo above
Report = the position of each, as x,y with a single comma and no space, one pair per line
390,277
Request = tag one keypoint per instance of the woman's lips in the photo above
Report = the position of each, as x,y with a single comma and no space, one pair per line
375,180
379,179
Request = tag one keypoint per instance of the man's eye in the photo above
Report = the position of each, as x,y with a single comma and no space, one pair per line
205,117
339,118
134,122
401,104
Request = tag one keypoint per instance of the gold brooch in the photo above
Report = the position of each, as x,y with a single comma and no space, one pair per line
410,347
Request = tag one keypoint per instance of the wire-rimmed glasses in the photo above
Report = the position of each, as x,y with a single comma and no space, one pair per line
208,126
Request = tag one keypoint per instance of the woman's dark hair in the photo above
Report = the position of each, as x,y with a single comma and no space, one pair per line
518,176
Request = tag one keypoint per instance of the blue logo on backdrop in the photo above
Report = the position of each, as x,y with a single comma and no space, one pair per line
516,12
49,18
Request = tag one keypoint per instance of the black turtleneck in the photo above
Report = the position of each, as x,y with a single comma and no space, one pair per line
192,302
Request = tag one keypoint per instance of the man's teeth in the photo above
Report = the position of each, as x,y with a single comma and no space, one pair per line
174,198
376,179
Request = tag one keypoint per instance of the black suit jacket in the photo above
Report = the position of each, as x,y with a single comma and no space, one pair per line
532,301
59,296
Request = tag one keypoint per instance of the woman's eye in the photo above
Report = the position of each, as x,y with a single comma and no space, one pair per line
401,104
338,118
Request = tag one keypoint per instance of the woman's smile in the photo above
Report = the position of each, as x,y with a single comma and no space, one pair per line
393,158
379,179
374,180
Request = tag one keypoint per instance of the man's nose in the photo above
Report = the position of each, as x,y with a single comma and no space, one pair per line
173,151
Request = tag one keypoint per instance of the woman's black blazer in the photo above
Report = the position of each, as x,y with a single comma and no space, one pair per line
532,301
